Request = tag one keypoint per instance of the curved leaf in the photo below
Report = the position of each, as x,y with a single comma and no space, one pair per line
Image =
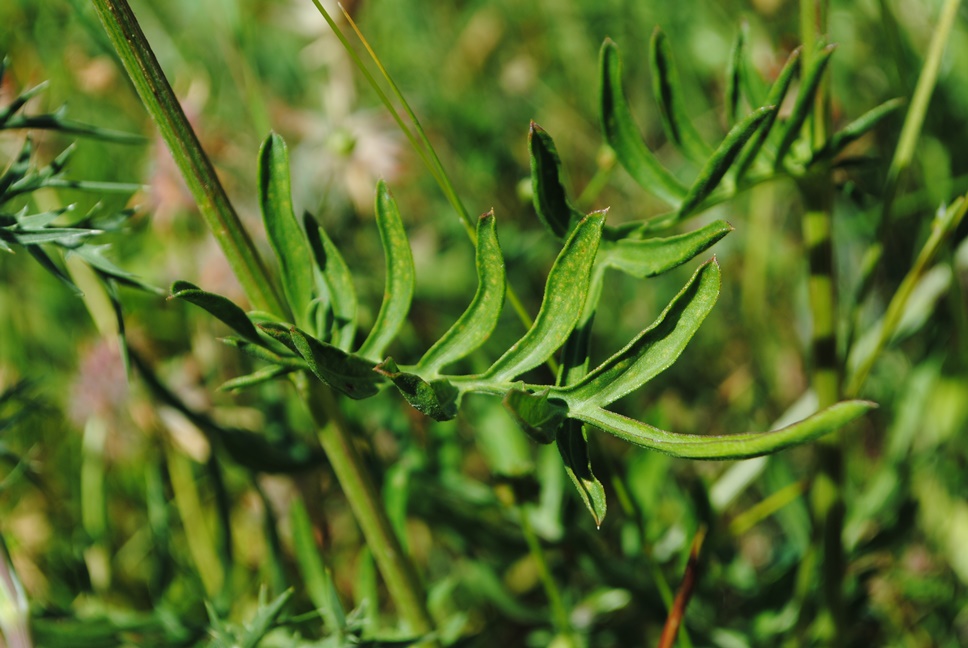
717,165
286,236
668,95
803,105
437,399
263,375
653,350
338,281
623,135
735,446
537,414
561,306
222,308
572,443
400,275
856,129
653,256
735,72
477,323
550,201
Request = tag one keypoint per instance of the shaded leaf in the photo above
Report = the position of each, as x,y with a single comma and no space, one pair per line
809,85
653,256
436,399
550,200
283,230
221,307
260,352
668,95
258,377
399,277
561,306
537,415
623,135
856,129
572,440
477,323
338,281
735,446
735,71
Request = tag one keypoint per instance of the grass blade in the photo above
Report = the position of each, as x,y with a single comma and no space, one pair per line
477,323
400,276
668,95
561,306
623,135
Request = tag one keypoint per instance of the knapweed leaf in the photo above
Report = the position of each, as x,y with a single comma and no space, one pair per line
221,307
803,105
399,278
856,129
653,256
654,350
624,137
347,373
477,323
338,281
572,441
258,377
550,200
721,447
776,96
718,164
735,70
285,235
668,95
437,399
537,415
561,306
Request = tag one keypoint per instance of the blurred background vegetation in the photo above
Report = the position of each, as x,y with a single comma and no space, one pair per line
108,495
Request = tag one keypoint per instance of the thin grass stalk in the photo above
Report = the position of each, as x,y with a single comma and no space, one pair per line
159,99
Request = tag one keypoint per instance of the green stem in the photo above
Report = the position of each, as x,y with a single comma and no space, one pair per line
397,570
159,99
558,611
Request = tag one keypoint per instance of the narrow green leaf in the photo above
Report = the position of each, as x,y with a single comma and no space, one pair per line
350,374
338,281
572,440
561,306
261,353
623,135
856,129
734,74
654,350
66,236
668,95
222,308
283,230
737,446
809,85
477,323
399,279
257,628
776,96
537,414
263,375
93,255
436,399
717,165
550,200
318,581
653,256
48,264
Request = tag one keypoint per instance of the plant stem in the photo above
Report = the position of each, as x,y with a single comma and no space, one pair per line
159,99
397,570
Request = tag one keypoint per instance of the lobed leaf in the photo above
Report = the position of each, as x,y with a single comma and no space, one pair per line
222,308
856,129
721,447
537,414
285,235
399,279
652,351
809,86
437,399
338,281
623,135
550,200
572,440
349,374
653,256
561,306
717,165
668,95
477,323
776,96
